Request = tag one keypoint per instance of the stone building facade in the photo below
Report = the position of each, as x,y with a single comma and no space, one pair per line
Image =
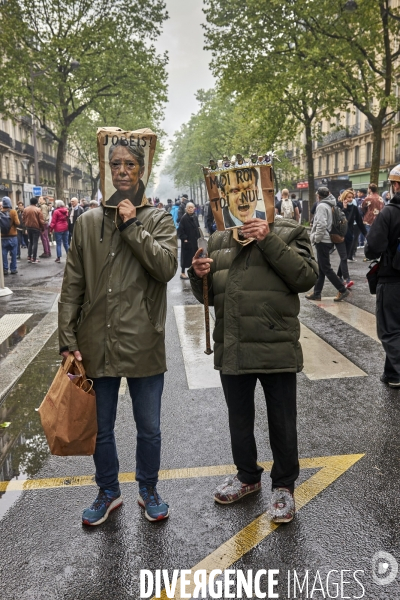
17,163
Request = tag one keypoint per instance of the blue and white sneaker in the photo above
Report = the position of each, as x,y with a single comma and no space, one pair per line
105,502
155,508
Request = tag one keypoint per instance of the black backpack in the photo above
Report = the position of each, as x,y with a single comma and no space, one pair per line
5,222
339,225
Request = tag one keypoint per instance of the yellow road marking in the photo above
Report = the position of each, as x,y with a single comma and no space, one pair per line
185,473
331,467
322,361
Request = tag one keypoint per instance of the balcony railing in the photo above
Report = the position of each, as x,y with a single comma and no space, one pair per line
5,138
319,173
327,171
367,126
397,156
346,168
28,149
76,172
26,120
336,170
356,166
47,158
336,136
368,164
18,146
67,168
289,154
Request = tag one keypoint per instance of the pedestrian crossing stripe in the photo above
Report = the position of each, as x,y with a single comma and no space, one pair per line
330,469
321,360
360,319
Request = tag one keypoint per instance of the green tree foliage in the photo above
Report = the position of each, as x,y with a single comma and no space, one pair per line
316,51
117,62
224,124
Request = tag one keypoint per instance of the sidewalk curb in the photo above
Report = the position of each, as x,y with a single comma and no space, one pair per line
16,362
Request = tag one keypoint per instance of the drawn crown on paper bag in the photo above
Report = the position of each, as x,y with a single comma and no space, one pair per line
240,189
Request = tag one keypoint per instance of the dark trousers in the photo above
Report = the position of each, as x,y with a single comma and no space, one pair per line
343,270
280,395
325,269
355,242
146,395
388,326
33,235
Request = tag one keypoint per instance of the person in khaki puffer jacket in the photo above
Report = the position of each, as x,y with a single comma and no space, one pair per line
254,289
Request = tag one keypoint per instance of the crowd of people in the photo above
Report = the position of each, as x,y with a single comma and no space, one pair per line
50,221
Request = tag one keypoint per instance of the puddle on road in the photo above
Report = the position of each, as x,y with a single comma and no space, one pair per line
23,445
19,334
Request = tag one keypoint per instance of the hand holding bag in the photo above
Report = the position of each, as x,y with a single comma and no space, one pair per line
68,411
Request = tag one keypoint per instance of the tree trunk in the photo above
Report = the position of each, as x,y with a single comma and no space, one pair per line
61,151
376,152
310,163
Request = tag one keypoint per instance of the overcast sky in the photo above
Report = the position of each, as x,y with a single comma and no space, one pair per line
188,71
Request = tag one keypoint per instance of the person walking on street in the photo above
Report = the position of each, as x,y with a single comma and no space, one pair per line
9,236
286,208
371,207
352,216
182,207
59,224
188,233
174,213
112,313
320,237
383,243
34,223
21,231
254,289
75,212
44,235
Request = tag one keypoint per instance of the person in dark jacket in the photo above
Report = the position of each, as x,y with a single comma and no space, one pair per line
182,207
353,216
75,212
383,242
253,284
188,233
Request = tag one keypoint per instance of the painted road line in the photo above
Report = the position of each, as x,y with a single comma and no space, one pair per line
322,361
233,549
10,323
358,318
165,475
199,367
15,363
122,387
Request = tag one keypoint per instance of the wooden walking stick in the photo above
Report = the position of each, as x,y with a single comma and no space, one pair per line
202,243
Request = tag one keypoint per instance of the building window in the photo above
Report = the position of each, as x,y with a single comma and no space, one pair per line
320,165
336,162
348,118
383,151
327,164
369,151
356,157
346,160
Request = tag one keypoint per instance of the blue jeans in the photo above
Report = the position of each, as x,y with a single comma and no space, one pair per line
146,395
61,237
9,245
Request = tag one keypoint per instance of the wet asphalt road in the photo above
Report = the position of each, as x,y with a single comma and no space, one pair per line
46,554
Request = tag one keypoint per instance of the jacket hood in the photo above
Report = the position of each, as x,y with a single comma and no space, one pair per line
395,199
329,199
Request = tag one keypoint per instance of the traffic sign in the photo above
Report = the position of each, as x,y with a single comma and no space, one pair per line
37,190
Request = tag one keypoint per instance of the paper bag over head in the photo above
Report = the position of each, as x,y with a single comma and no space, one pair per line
125,159
239,194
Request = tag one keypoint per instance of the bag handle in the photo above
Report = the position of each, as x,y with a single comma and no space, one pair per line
69,361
